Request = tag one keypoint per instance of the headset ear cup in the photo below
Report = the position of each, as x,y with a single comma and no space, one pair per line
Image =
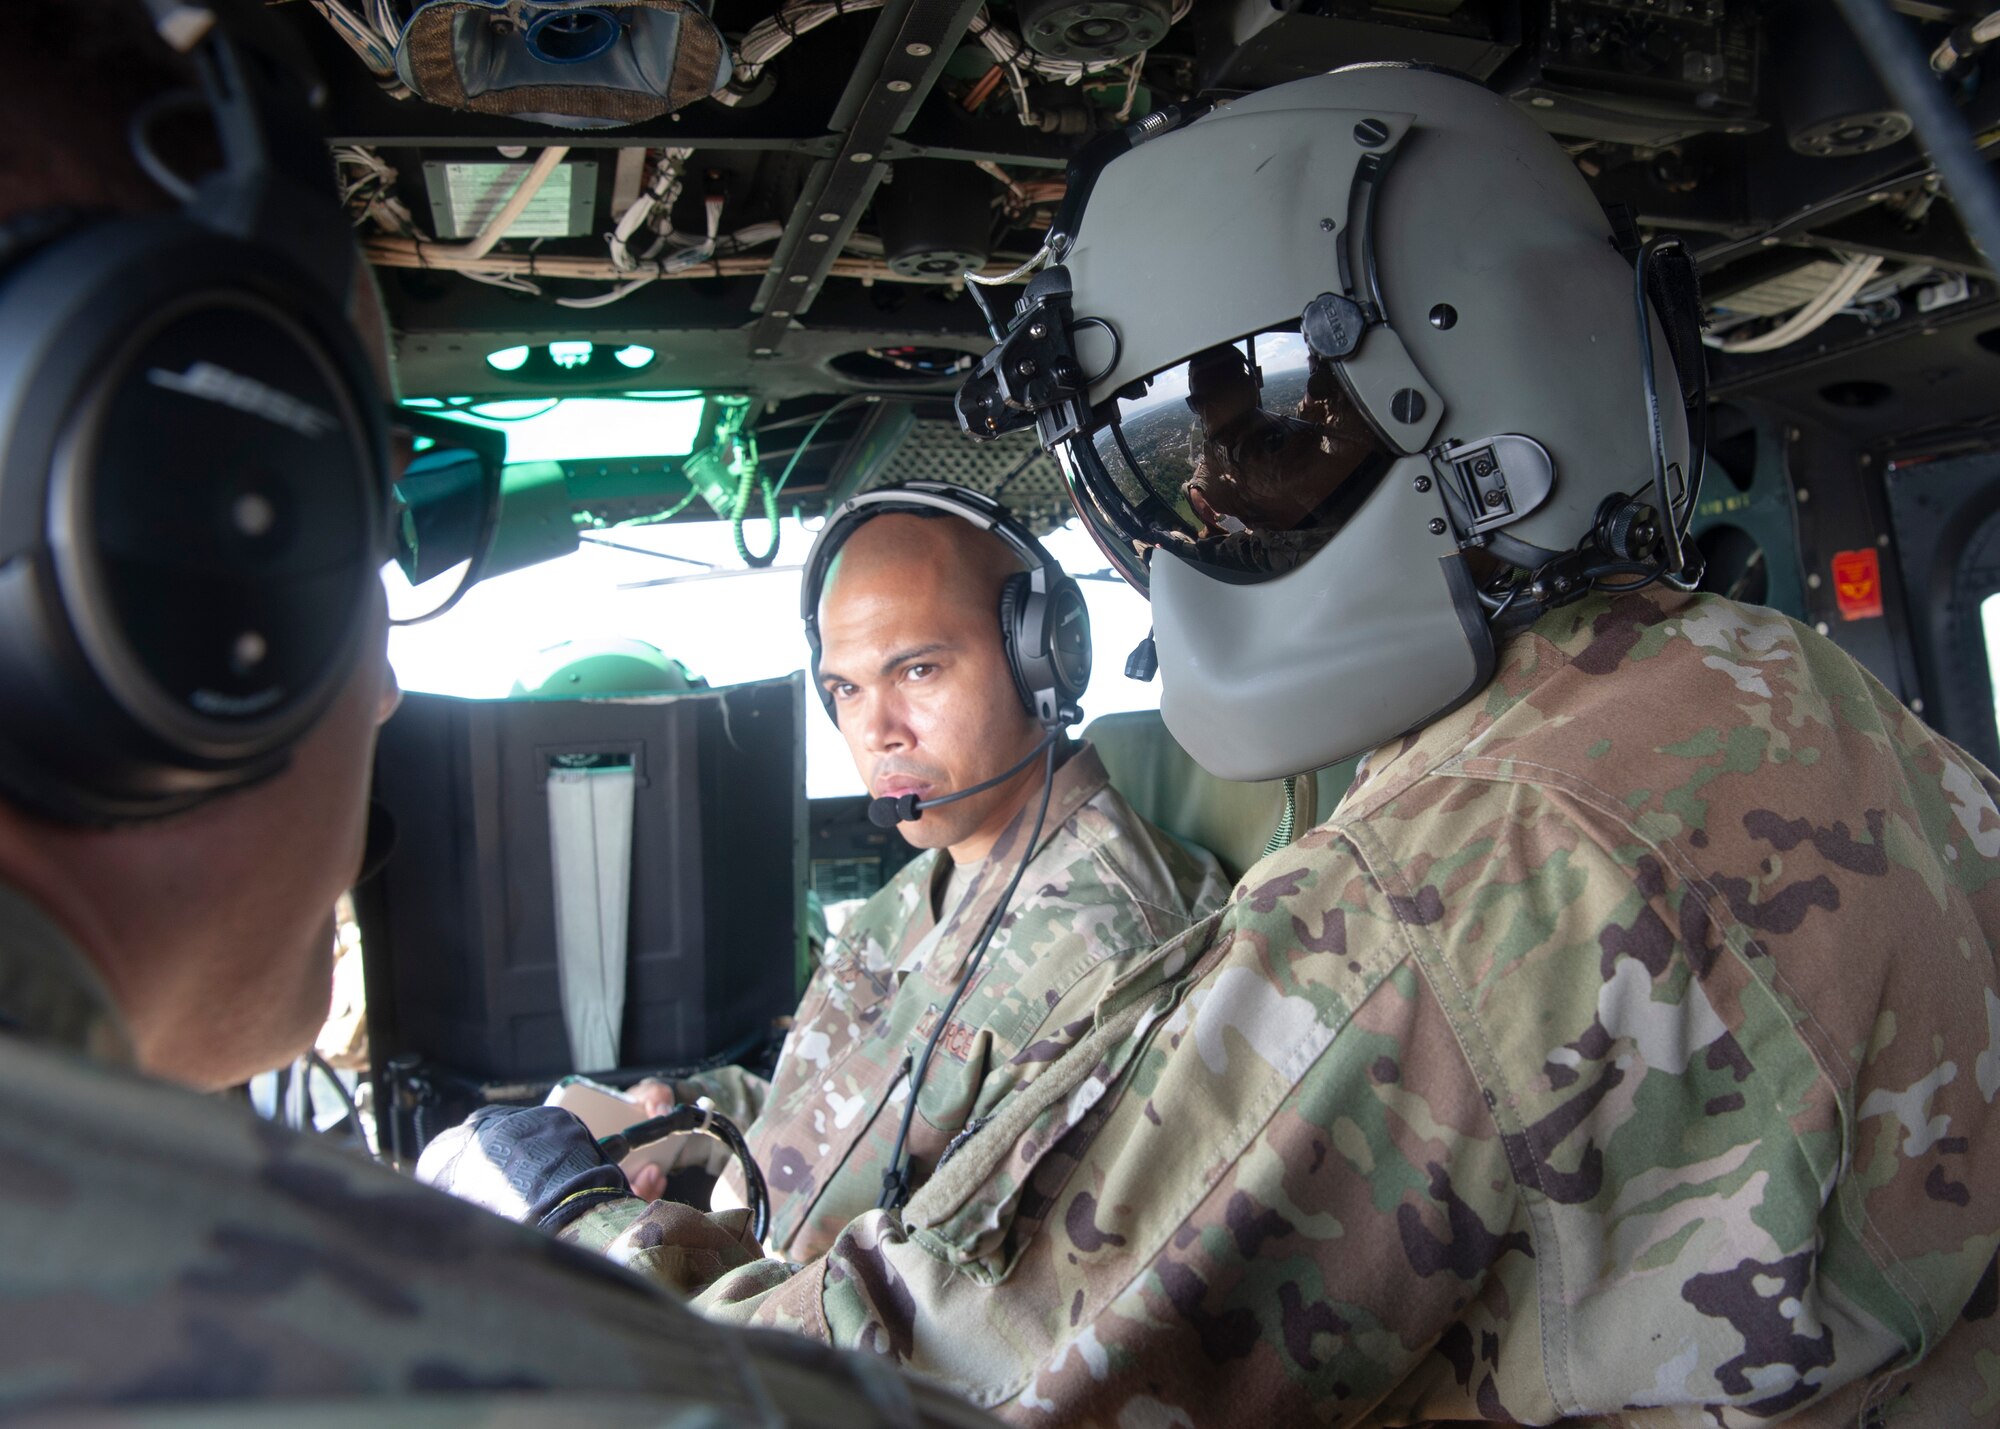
143,347
1070,675
1013,640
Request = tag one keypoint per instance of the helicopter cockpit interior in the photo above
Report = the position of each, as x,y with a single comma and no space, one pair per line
714,268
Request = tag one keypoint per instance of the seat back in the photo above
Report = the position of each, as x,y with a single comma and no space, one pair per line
1236,822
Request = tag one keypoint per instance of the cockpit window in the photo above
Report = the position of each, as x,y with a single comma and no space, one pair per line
638,424
682,587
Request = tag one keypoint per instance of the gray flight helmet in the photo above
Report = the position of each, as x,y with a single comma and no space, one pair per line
1499,332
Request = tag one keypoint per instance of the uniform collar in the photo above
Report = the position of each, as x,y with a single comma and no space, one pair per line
48,990
1597,631
1079,779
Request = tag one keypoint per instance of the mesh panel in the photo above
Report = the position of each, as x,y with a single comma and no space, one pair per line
939,451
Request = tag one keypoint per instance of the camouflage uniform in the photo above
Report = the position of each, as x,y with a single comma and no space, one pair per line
1625,1046
164,1251
1102,887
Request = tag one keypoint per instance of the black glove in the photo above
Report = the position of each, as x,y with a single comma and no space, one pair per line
536,1164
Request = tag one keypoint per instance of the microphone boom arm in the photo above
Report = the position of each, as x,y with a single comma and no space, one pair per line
886,813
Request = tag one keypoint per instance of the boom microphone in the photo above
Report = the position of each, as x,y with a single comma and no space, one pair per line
886,813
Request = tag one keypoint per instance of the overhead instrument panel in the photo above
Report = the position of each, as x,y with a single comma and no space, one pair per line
792,213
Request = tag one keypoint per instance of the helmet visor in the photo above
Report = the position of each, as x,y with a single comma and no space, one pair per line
1246,457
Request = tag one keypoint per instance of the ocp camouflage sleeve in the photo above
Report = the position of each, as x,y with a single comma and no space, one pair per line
1623,1049
736,1093
168,1256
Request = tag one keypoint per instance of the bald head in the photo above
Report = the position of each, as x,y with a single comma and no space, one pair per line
949,559
912,658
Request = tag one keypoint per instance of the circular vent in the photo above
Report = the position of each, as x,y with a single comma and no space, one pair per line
1847,134
1094,29
569,37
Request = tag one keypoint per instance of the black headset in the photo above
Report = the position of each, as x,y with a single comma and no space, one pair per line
193,464
1044,624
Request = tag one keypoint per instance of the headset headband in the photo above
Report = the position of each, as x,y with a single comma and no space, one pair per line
276,184
916,498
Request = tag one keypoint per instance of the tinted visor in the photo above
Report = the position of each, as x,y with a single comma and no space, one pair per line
1247,457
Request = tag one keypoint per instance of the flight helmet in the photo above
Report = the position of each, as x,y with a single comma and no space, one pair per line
1382,382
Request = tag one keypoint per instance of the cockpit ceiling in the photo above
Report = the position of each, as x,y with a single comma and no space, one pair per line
804,233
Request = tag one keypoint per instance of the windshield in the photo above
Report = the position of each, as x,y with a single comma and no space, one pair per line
639,424
726,624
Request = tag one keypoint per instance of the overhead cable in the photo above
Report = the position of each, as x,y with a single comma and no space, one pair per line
1851,279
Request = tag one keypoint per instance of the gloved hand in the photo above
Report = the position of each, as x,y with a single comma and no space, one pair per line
538,1165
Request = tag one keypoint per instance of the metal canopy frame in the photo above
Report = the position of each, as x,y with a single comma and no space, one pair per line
904,57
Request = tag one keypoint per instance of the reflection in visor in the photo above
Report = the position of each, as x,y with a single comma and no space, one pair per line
1248,455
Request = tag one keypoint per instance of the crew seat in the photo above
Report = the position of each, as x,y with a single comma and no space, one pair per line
1238,823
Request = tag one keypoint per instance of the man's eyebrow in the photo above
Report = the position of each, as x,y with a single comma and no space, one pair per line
915,652
901,657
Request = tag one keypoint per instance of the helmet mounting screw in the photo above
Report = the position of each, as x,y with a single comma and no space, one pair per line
1038,330
1444,317
1495,498
1422,483
1437,525
1407,406
1327,225
1371,133
1027,367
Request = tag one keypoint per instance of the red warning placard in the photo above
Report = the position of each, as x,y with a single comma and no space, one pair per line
1857,583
